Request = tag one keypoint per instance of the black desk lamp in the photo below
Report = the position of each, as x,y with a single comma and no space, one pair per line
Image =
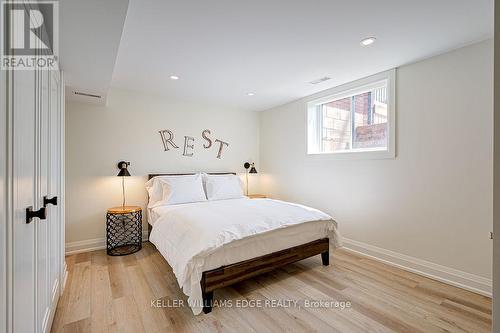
123,166
250,166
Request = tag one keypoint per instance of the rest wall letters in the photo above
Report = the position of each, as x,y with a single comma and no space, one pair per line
167,138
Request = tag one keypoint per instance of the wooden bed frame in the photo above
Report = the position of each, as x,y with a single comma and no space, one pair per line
230,274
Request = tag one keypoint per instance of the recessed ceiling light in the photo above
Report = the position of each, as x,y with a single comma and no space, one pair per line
250,94
174,77
368,41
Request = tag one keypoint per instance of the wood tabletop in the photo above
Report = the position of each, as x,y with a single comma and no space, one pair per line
124,209
257,196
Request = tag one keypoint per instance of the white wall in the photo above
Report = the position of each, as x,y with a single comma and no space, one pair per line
98,137
433,202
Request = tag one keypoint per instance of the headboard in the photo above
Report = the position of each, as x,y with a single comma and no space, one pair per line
187,174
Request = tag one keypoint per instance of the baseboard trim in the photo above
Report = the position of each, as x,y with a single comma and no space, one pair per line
448,275
85,246
92,244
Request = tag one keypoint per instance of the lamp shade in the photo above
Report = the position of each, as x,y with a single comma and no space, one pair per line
123,173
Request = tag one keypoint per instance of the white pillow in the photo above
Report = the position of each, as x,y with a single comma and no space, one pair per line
155,191
171,190
220,187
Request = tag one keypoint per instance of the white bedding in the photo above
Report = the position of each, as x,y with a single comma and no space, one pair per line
196,237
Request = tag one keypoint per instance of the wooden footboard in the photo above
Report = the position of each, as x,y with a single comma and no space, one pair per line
227,275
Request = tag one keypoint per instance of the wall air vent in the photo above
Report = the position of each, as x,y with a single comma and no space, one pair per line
323,79
85,94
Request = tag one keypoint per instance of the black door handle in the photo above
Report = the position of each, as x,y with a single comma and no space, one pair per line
47,201
30,214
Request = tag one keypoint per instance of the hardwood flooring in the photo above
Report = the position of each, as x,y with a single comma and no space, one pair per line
115,294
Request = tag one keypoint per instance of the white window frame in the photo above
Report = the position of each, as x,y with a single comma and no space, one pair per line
349,89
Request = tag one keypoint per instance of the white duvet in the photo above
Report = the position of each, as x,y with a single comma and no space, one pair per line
200,236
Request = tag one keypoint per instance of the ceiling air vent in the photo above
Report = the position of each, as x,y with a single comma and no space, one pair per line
85,94
323,79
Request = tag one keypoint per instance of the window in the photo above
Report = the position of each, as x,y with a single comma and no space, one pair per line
357,118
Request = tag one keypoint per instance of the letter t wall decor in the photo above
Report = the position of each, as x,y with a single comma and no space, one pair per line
167,139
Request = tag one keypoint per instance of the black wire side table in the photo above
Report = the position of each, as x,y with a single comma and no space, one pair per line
123,230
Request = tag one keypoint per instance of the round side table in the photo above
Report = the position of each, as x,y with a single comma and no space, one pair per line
123,230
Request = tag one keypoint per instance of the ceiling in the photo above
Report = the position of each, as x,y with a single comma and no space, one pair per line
89,36
224,49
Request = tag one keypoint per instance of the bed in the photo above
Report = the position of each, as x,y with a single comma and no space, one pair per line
215,243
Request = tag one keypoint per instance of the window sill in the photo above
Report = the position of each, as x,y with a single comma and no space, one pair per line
375,154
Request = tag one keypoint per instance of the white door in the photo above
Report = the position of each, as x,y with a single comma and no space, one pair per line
48,176
41,226
53,210
34,142
23,112
23,196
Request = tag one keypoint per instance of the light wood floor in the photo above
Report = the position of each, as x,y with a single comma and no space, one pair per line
115,293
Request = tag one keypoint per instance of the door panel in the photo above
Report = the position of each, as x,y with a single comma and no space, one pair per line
23,242
22,158
53,222
3,201
42,268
